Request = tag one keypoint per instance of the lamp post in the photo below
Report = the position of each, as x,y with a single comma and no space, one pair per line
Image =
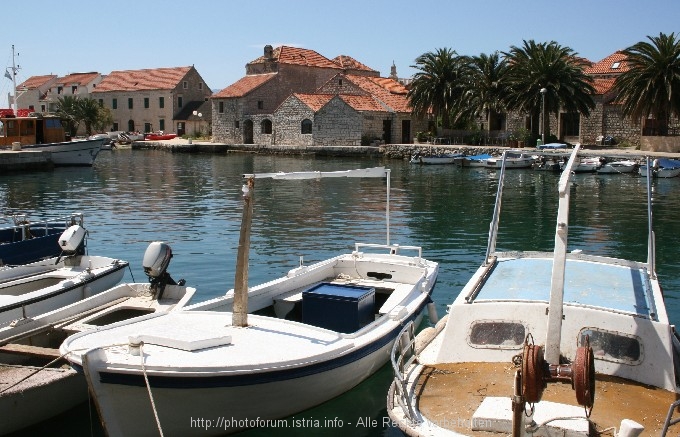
543,91
199,115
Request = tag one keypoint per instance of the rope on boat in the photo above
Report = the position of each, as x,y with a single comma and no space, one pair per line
33,373
148,389
535,427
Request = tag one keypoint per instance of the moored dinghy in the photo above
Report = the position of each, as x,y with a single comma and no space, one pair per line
35,383
595,324
258,353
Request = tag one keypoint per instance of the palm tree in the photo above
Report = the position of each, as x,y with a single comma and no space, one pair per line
67,109
88,111
535,66
439,85
486,86
652,84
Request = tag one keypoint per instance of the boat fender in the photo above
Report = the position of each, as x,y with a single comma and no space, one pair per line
432,313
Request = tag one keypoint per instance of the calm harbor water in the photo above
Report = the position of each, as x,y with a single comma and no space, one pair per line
192,202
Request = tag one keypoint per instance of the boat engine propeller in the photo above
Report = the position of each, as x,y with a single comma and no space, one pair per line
155,263
72,242
536,373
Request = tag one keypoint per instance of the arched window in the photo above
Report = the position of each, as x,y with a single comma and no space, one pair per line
266,126
306,127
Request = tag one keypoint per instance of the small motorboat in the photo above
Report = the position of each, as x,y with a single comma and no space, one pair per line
513,159
159,136
36,382
544,343
618,167
24,240
472,160
264,352
662,168
31,289
438,159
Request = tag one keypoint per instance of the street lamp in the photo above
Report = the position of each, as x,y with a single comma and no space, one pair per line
543,91
199,115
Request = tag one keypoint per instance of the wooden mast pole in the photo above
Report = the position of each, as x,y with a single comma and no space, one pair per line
240,311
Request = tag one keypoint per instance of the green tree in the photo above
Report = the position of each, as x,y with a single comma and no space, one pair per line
486,89
67,109
88,112
104,119
651,86
439,85
559,70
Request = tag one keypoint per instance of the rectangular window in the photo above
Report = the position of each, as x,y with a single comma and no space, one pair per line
161,102
260,104
236,124
161,124
221,108
115,127
200,85
570,124
130,103
74,89
60,90
114,103
179,101
147,127
185,85
146,102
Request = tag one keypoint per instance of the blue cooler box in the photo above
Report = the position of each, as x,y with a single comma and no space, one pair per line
342,308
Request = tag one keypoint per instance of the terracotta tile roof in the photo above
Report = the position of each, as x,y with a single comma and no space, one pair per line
78,78
603,86
36,81
347,62
298,56
244,85
362,103
314,101
388,91
612,64
137,80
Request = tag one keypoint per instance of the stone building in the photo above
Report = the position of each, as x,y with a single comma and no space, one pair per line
153,99
293,96
32,93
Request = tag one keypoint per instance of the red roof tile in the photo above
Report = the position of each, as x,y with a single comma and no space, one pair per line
298,56
78,78
387,90
314,101
244,85
36,81
137,80
603,86
362,103
612,64
347,62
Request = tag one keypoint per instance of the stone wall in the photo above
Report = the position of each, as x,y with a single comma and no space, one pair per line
288,122
337,124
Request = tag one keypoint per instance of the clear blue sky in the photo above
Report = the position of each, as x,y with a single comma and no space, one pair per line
219,37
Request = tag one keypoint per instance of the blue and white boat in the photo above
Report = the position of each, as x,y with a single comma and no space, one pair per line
544,343
435,159
662,168
473,160
24,240
259,353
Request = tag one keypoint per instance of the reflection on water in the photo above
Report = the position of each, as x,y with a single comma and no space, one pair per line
192,202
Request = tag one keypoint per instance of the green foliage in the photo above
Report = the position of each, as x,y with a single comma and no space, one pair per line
75,111
366,140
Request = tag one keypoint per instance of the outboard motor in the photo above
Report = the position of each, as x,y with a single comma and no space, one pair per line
72,242
155,263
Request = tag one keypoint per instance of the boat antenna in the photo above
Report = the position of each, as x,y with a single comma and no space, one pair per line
13,77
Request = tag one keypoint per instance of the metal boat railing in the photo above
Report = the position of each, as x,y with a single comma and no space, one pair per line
403,357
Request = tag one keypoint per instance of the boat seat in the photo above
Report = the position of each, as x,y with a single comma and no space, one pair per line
285,304
399,293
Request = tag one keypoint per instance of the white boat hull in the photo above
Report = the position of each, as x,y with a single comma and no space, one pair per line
70,153
224,410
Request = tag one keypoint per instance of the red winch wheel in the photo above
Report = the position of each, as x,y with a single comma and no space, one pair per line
584,376
533,378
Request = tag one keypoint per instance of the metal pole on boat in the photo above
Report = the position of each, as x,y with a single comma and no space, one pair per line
651,240
387,206
240,310
493,227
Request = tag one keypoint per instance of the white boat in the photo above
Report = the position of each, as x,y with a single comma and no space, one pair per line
662,168
472,161
618,167
544,343
512,160
70,153
259,353
36,384
36,288
585,164
443,158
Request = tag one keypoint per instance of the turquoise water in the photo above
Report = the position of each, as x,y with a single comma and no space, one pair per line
192,202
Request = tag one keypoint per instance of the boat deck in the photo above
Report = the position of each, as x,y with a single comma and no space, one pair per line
621,287
450,393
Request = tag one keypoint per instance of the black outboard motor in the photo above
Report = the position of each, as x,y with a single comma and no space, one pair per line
72,242
155,263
